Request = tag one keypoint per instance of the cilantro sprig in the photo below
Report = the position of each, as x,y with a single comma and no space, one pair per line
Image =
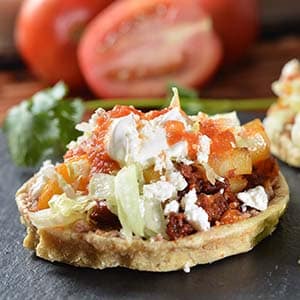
40,127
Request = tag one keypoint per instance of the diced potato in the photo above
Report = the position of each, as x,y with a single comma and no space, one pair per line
150,175
237,183
255,139
236,161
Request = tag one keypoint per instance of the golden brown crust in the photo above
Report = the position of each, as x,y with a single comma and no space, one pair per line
100,251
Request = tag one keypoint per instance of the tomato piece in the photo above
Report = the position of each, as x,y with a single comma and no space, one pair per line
50,189
134,48
236,22
222,140
47,36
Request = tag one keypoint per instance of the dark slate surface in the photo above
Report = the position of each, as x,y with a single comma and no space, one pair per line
270,271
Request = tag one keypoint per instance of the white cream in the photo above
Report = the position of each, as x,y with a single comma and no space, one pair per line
256,198
171,115
123,141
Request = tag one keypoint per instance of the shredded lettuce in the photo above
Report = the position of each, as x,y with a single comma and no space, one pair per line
155,222
62,211
129,203
102,186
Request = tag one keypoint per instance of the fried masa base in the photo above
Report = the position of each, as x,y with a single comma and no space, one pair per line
286,151
101,251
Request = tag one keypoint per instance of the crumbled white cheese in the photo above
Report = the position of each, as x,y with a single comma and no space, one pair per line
189,199
187,268
177,180
172,206
198,217
194,214
256,198
163,162
46,172
204,149
178,151
87,128
160,190
153,142
92,123
295,133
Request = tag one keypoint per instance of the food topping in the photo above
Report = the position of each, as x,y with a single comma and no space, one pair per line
158,173
283,118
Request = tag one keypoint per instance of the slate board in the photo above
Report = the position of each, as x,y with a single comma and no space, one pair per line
270,271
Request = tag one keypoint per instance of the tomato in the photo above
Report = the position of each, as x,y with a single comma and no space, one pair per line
134,48
236,22
47,35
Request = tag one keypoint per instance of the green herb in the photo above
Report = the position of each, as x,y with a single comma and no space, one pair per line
41,127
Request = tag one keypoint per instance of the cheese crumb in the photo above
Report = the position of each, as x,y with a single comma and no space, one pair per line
204,149
256,198
195,215
160,190
172,206
186,268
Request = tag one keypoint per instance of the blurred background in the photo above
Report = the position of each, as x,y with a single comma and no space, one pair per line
239,57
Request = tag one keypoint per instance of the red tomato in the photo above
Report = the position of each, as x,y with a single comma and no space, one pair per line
236,22
134,48
47,36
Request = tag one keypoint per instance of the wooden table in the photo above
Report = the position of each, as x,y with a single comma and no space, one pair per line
249,78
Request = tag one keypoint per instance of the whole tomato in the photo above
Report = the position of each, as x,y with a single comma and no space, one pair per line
47,35
236,22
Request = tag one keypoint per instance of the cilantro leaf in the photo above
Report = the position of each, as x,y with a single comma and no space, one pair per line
40,128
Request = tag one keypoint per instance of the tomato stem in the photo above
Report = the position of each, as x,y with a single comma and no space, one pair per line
191,106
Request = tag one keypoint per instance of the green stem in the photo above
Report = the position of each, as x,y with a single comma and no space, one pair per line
191,106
